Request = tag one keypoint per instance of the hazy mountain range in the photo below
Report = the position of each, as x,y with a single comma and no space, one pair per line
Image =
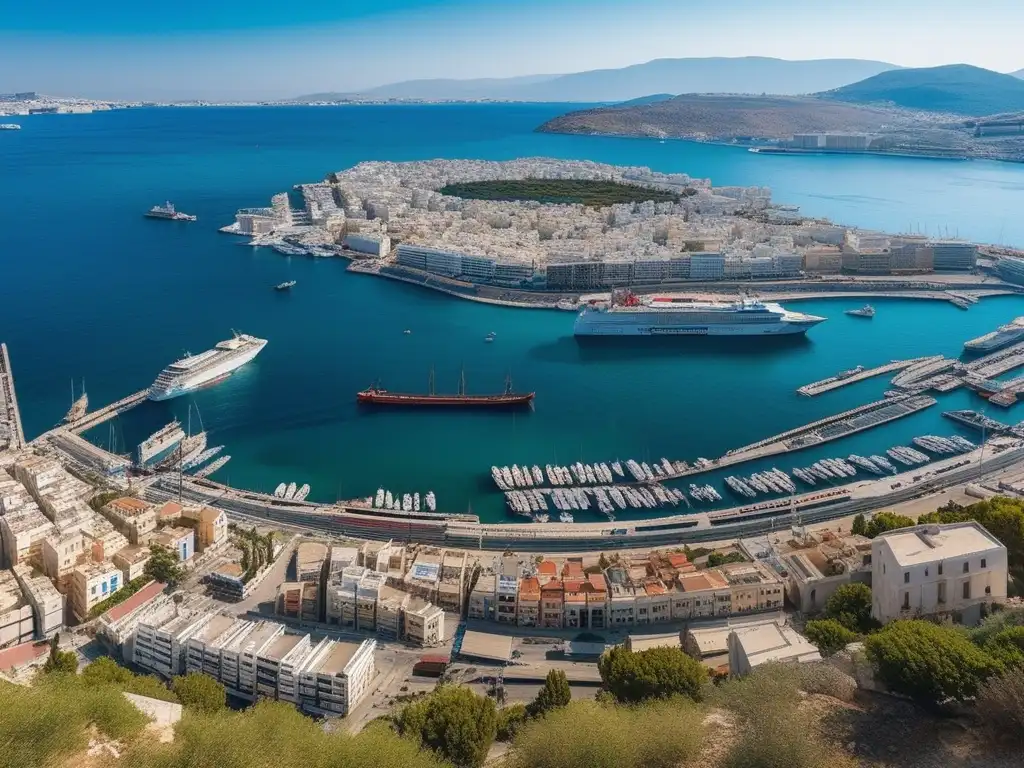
672,76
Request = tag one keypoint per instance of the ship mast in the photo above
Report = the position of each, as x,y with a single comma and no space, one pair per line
462,382
430,388
508,383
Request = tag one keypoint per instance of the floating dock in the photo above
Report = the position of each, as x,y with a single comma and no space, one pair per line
860,373
160,441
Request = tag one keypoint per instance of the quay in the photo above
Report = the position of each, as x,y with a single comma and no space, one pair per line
997,363
95,418
852,377
11,431
927,368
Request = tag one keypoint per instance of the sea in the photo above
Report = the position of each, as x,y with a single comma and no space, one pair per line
90,291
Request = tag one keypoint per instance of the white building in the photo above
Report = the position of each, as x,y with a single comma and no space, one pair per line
47,602
334,676
752,646
929,570
160,646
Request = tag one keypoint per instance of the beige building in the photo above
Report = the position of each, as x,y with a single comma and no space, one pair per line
701,595
814,572
424,623
17,619
132,562
752,646
179,540
23,532
752,587
91,584
823,260
132,517
62,554
937,570
310,557
211,525
528,602
102,538
47,603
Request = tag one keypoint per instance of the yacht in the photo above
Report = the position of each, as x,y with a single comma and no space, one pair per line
866,311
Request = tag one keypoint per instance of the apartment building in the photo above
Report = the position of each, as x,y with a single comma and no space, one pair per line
203,649
752,587
90,584
119,626
132,561
276,667
23,531
481,604
391,609
47,603
298,600
506,594
181,541
828,561
310,557
452,581
61,554
17,619
336,676
937,570
528,602
160,645
552,604
134,518
424,623
211,525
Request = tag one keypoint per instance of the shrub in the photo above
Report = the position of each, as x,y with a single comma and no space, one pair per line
823,678
996,623
106,671
860,525
829,635
658,673
555,693
1000,705
1007,647
886,521
60,662
587,734
453,721
928,662
510,720
850,605
716,559
200,692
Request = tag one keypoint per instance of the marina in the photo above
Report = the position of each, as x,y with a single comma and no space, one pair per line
860,373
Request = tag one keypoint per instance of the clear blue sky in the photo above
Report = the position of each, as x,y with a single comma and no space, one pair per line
270,49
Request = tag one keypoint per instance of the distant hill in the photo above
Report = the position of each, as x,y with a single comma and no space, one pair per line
724,117
662,76
654,98
959,88
1019,73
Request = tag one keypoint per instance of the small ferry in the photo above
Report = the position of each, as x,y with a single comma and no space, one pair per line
866,311
9,127
285,286
166,211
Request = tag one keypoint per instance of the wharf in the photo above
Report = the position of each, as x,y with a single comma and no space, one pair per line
841,380
997,363
925,368
9,412
91,420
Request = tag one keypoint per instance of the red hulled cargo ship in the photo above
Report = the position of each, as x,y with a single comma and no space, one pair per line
375,395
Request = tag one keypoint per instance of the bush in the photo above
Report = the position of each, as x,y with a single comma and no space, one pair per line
163,565
860,525
850,605
60,662
200,692
555,693
1007,647
716,559
120,596
587,734
829,635
454,722
1000,706
996,623
510,720
928,662
106,671
823,678
658,673
886,521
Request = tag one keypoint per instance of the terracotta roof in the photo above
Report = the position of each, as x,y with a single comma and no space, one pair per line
700,581
597,582
554,586
129,503
529,588
19,655
678,560
654,588
572,569
170,509
143,596
547,568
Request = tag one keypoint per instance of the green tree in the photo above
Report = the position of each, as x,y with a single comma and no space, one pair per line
850,605
554,694
829,635
104,671
929,662
1007,647
1000,516
716,559
453,721
658,673
199,692
61,662
163,565
860,526
510,720
886,521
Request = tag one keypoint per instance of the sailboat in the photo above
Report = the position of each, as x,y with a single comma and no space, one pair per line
79,406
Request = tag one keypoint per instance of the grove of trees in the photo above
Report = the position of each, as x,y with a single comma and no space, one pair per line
658,673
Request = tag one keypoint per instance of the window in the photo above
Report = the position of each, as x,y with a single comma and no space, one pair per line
926,571
906,601
967,567
967,590
988,590
942,592
940,569
983,564
906,577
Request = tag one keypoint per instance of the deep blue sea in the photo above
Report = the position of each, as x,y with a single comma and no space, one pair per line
91,290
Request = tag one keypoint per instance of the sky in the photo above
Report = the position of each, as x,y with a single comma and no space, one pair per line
266,49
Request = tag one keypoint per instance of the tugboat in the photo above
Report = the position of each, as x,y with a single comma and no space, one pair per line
284,286
866,311
166,211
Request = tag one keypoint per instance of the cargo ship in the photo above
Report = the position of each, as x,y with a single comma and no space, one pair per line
166,211
375,395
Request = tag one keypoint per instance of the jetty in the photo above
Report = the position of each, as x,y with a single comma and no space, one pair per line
860,373
926,368
997,363
11,432
160,441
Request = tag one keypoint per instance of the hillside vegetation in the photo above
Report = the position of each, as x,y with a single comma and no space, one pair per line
957,88
725,117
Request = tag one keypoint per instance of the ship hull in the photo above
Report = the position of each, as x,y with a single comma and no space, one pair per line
445,401
586,326
200,380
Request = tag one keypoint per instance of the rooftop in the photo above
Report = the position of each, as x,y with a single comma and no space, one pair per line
484,645
170,509
928,543
280,648
698,582
128,506
139,599
132,554
774,642
341,654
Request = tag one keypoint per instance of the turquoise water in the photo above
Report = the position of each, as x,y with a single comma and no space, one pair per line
92,290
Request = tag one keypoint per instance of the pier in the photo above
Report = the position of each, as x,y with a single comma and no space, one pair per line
927,368
852,377
11,431
997,363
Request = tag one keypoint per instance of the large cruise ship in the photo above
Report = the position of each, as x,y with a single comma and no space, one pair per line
194,371
1002,336
629,315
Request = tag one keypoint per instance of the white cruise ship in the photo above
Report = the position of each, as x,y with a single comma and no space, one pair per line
195,371
1003,336
629,315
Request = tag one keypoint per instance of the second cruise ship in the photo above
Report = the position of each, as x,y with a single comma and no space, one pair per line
629,315
195,371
